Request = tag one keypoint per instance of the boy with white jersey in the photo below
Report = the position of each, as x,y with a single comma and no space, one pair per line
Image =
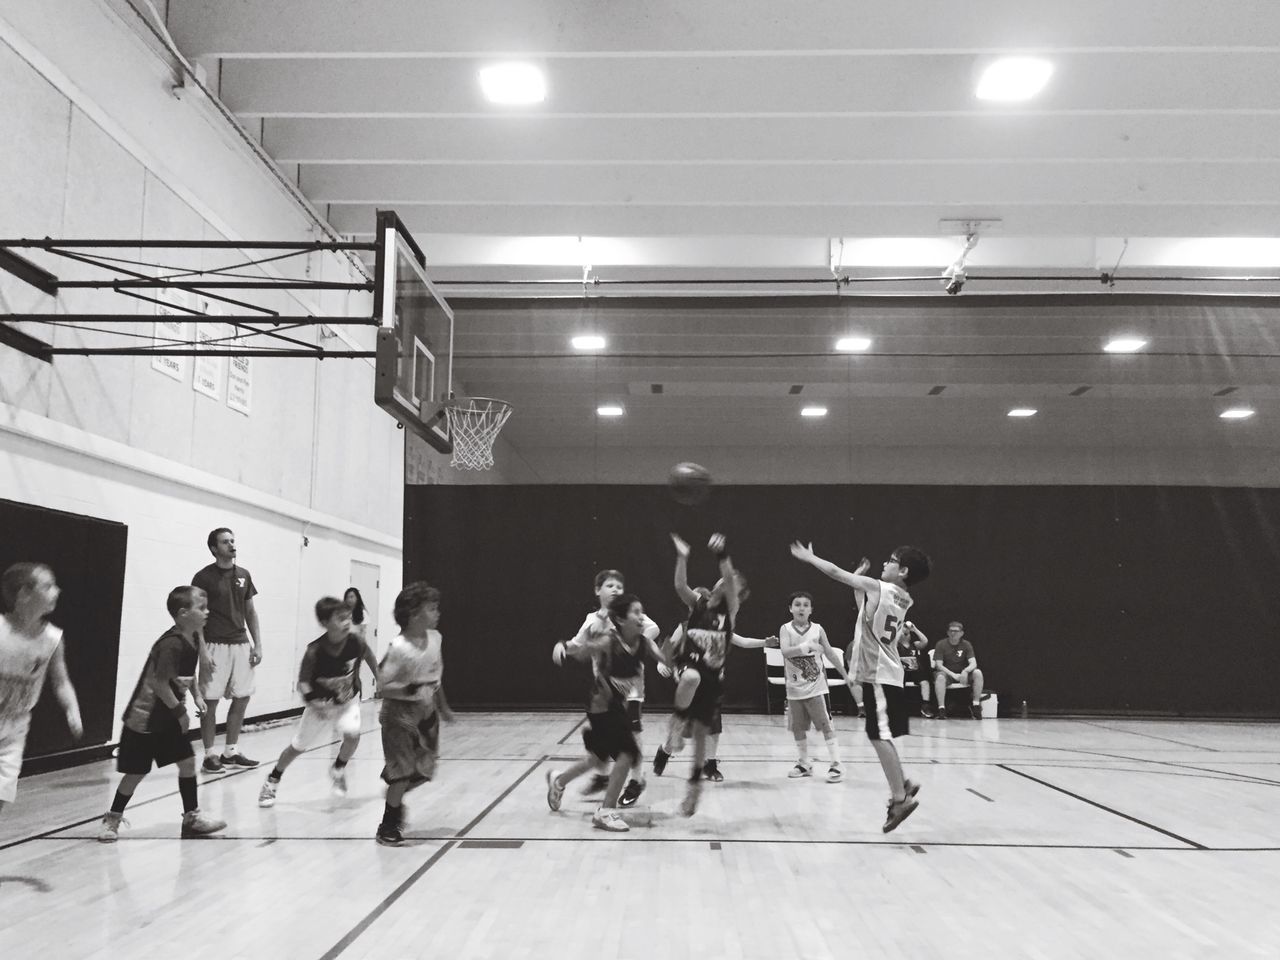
882,607
804,647
329,681
29,646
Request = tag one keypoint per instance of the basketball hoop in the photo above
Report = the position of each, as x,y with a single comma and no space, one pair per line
474,423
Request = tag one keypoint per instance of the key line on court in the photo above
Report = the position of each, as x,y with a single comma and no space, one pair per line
370,918
1102,806
225,775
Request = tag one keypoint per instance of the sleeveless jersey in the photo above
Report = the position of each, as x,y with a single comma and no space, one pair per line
23,662
806,673
706,635
875,650
616,668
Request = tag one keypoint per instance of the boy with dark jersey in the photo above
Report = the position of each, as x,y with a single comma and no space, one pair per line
329,680
616,644
882,609
156,720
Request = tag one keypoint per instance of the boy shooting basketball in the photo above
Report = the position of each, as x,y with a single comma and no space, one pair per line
882,607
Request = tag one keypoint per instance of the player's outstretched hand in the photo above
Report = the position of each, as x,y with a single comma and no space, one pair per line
664,670
773,643
716,543
802,551
863,566
557,654
682,548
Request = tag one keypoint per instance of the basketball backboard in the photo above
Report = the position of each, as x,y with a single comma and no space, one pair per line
414,365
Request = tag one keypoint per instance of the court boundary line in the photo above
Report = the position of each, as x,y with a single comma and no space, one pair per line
1102,806
566,737
1149,736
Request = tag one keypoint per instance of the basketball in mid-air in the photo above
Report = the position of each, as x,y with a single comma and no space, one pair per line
690,483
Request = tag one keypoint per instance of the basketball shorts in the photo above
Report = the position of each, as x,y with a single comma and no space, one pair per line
230,677
610,735
810,710
138,752
13,741
410,740
705,707
886,708
320,719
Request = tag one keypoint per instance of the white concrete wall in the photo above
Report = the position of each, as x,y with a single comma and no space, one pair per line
95,145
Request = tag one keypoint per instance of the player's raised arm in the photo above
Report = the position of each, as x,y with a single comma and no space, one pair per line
687,596
804,552
728,575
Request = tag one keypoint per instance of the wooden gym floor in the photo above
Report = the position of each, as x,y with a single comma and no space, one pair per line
1034,838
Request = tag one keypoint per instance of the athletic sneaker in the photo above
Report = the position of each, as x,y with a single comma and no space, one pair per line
110,831
196,824
689,805
267,795
862,713
598,783
660,762
211,763
238,759
711,770
835,773
555,789
338,780
631,793
928,712
940,715
606,818
912,788
898,811
800,770
389,835
975,711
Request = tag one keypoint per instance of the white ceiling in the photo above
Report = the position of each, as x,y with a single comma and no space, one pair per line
758,140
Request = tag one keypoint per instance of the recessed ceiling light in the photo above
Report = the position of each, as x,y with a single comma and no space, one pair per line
588,342
609,410
1124,345
513,83
1022,412
1014,78
813,411
1237,413
853,343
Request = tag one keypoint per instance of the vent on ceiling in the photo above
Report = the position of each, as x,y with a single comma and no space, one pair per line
934,391
795,388
655,388
1080,391
1225,391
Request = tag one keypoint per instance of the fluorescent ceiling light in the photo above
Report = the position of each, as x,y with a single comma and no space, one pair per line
813,411
1022,412
513,83
1124,345
1237,413
609,410
1014,78
853,343
588,342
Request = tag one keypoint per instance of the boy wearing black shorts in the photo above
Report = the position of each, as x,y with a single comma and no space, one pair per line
156,720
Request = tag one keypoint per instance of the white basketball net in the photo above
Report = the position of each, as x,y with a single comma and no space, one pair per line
474,423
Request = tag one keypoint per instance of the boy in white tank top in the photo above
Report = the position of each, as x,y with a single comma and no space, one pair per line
30,646
806,652
882,608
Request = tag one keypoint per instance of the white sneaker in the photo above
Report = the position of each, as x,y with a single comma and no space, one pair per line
267,795
338,777
606,818
801,770
555,790
110,830
834,773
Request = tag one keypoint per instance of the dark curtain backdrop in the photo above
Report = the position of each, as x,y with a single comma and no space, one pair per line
87,556
1159,600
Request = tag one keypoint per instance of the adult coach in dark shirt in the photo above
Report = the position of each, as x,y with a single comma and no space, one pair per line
233,648
954,661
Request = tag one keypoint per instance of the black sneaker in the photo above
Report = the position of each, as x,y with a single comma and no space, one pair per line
238,759
389,835
598,783
711,770
862,713
975,711
631,793
898,811
660,762
211,765
940,715
928,712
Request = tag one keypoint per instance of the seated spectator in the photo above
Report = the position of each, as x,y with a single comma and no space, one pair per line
954,662
913,651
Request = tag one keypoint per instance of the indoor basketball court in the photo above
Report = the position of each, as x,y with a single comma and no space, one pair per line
638,389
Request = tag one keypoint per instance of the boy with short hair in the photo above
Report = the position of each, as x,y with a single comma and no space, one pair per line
882,606
413,703
156,720
30,647
804,648
329,680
